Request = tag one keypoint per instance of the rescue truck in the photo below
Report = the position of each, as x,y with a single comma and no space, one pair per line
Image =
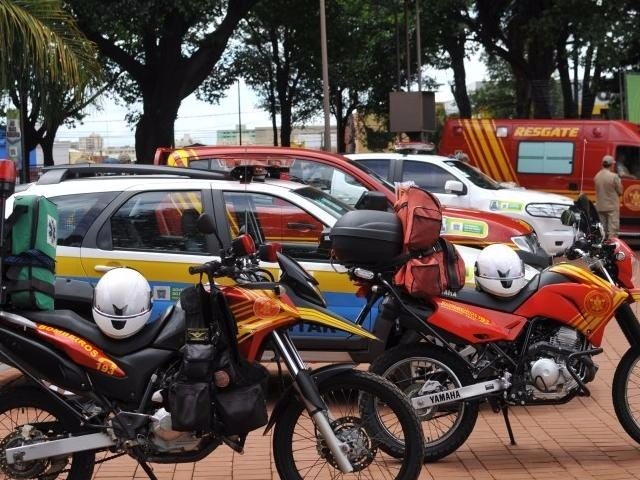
559,156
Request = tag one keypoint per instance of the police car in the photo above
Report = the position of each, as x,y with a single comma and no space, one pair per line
458,184
143,217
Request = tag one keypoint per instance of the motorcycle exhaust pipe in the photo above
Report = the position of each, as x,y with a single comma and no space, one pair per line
426,400
53,448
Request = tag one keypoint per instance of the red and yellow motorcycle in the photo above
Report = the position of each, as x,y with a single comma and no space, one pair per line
534,348
185,384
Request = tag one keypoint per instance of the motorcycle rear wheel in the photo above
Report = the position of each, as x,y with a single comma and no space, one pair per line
369,414
445,427
626,393
30,405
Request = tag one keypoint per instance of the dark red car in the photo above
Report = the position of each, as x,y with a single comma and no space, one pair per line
346,180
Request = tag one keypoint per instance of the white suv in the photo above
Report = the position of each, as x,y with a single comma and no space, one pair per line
456,183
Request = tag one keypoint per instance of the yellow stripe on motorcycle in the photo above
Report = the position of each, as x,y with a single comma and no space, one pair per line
314,316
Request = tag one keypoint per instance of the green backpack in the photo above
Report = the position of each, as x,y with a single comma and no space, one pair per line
30,265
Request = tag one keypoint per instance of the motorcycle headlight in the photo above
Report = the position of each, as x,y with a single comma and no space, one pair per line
528,243
548,210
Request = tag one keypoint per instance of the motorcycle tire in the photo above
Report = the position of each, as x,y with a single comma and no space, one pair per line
22,405
625,380
366,412
445,427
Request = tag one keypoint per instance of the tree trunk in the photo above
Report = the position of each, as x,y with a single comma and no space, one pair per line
154,129
460,94
569,102
285,124
523,96
46,143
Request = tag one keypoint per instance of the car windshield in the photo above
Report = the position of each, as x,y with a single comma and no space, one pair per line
329,204
375,175
474,175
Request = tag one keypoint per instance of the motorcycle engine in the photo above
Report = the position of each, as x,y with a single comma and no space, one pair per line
549,376
166,439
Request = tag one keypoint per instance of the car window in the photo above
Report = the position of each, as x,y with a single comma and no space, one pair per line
329,179
157,221
378,165
326,202
474,175
426,175
77,213
268,218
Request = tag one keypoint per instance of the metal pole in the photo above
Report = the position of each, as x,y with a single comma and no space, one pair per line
325,79
407,46
418,46
239,117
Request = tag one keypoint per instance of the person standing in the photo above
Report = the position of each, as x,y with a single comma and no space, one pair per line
608,191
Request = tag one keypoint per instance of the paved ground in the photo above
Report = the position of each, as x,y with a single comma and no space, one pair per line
581,440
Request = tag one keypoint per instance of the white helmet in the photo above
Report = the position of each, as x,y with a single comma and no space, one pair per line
499,271
121,303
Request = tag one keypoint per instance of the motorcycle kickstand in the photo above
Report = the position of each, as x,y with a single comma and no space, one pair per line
143,463
505,414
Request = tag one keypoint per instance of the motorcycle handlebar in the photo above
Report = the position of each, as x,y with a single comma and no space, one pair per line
209,268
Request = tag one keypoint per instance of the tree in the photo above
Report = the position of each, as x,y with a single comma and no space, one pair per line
42,35
447,37
166,49
275,57
41,49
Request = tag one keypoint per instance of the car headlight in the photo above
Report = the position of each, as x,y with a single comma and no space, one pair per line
549,210
528,243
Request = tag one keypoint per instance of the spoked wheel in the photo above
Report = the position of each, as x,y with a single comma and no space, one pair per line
27,415
410,368
369,415
626,393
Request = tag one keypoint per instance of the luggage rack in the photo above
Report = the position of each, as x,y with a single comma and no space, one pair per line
60,173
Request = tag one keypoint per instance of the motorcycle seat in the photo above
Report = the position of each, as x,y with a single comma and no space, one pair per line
473,296
69,321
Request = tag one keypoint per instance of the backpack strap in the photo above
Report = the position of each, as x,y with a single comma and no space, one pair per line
33,257
33,283
450,260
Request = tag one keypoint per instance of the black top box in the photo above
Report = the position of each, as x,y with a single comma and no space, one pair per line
367,238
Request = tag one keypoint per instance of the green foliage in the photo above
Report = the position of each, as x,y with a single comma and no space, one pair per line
39,35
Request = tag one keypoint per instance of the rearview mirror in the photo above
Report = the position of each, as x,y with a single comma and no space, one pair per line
454,186
372,201
206,224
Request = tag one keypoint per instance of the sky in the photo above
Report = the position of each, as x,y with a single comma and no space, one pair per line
201,120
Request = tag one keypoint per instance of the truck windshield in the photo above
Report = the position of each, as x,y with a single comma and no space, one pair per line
326,202
474,175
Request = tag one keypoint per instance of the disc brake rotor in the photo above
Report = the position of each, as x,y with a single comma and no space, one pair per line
349,430
45,469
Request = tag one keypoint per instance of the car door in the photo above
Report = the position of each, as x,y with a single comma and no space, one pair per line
154,233
433,178
271,218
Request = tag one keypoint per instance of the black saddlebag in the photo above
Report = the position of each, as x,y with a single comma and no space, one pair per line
216,388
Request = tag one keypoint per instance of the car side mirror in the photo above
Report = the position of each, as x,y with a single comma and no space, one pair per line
370,200
206,224
454,186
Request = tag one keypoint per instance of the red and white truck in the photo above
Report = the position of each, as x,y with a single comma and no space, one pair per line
560,156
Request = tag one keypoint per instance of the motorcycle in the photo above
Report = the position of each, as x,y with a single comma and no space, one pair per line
535,348
83,393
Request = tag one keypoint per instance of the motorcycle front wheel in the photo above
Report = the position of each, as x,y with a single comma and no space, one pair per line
371,416
410,367
44,419
626,393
